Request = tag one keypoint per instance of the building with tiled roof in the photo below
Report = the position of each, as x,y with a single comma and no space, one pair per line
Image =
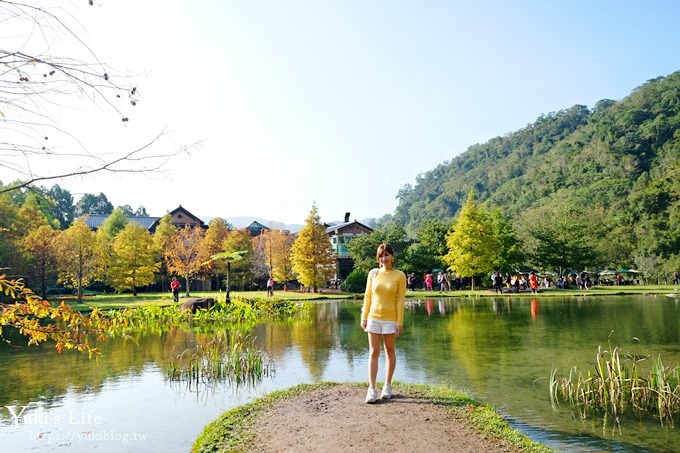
180,218
256,228
340,235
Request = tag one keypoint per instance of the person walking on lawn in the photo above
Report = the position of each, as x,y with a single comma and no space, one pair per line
175,286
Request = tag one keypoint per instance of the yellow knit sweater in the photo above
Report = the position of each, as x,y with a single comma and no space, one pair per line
384,297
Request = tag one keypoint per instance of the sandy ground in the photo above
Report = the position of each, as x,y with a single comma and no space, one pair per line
338,420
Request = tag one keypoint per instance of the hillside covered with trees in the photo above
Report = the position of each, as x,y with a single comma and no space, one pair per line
605,179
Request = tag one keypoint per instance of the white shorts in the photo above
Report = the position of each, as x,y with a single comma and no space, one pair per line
381,327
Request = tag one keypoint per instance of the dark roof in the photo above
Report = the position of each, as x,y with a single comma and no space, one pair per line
180,208
255,225
339,226
94,221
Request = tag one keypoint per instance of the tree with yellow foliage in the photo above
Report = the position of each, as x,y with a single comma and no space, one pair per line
77,262
213,243
184,255
241,270
39,246
162,236
279,245
28,314
311,254
472,243
133,264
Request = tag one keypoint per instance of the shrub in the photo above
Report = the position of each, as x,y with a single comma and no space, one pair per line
355,282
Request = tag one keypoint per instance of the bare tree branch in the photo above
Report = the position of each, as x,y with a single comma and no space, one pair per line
46,69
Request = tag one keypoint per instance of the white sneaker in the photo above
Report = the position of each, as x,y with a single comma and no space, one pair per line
371,395
386,392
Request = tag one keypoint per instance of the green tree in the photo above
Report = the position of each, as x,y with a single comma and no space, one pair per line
428,252
472,243
63,210
363,248
93,204
432,235
114,223
311,254
133,262
557,239
125,209
76,256
510,254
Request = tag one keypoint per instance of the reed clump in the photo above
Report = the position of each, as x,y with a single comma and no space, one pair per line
619,387
229,357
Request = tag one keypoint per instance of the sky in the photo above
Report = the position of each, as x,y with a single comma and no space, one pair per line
282,105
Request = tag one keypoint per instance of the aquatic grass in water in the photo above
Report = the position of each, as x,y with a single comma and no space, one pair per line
232,357
618,388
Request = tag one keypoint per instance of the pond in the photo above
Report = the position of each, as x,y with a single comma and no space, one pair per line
499,350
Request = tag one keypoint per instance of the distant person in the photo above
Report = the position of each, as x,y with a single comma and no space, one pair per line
270,287
409,281
498,282
587,283
446,284
560,282
428,282
175,286
533,283
676,278
382,316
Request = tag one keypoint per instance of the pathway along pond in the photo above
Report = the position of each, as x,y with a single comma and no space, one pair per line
499,350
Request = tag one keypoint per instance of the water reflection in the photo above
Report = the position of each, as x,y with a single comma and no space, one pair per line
501,350
534,308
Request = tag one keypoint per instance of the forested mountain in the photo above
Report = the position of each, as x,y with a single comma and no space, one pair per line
610,174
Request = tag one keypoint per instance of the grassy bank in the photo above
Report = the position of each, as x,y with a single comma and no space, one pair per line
113,301
234,430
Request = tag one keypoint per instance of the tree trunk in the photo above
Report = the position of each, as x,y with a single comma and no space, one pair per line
228,281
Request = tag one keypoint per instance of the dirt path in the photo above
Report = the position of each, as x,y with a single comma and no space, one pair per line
336,419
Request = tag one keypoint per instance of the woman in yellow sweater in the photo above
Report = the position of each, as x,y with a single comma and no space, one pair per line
383,316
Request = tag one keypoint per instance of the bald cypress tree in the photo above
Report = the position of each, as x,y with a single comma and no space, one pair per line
311,254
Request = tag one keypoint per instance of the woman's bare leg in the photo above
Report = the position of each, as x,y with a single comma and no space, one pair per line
390,341
373,354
